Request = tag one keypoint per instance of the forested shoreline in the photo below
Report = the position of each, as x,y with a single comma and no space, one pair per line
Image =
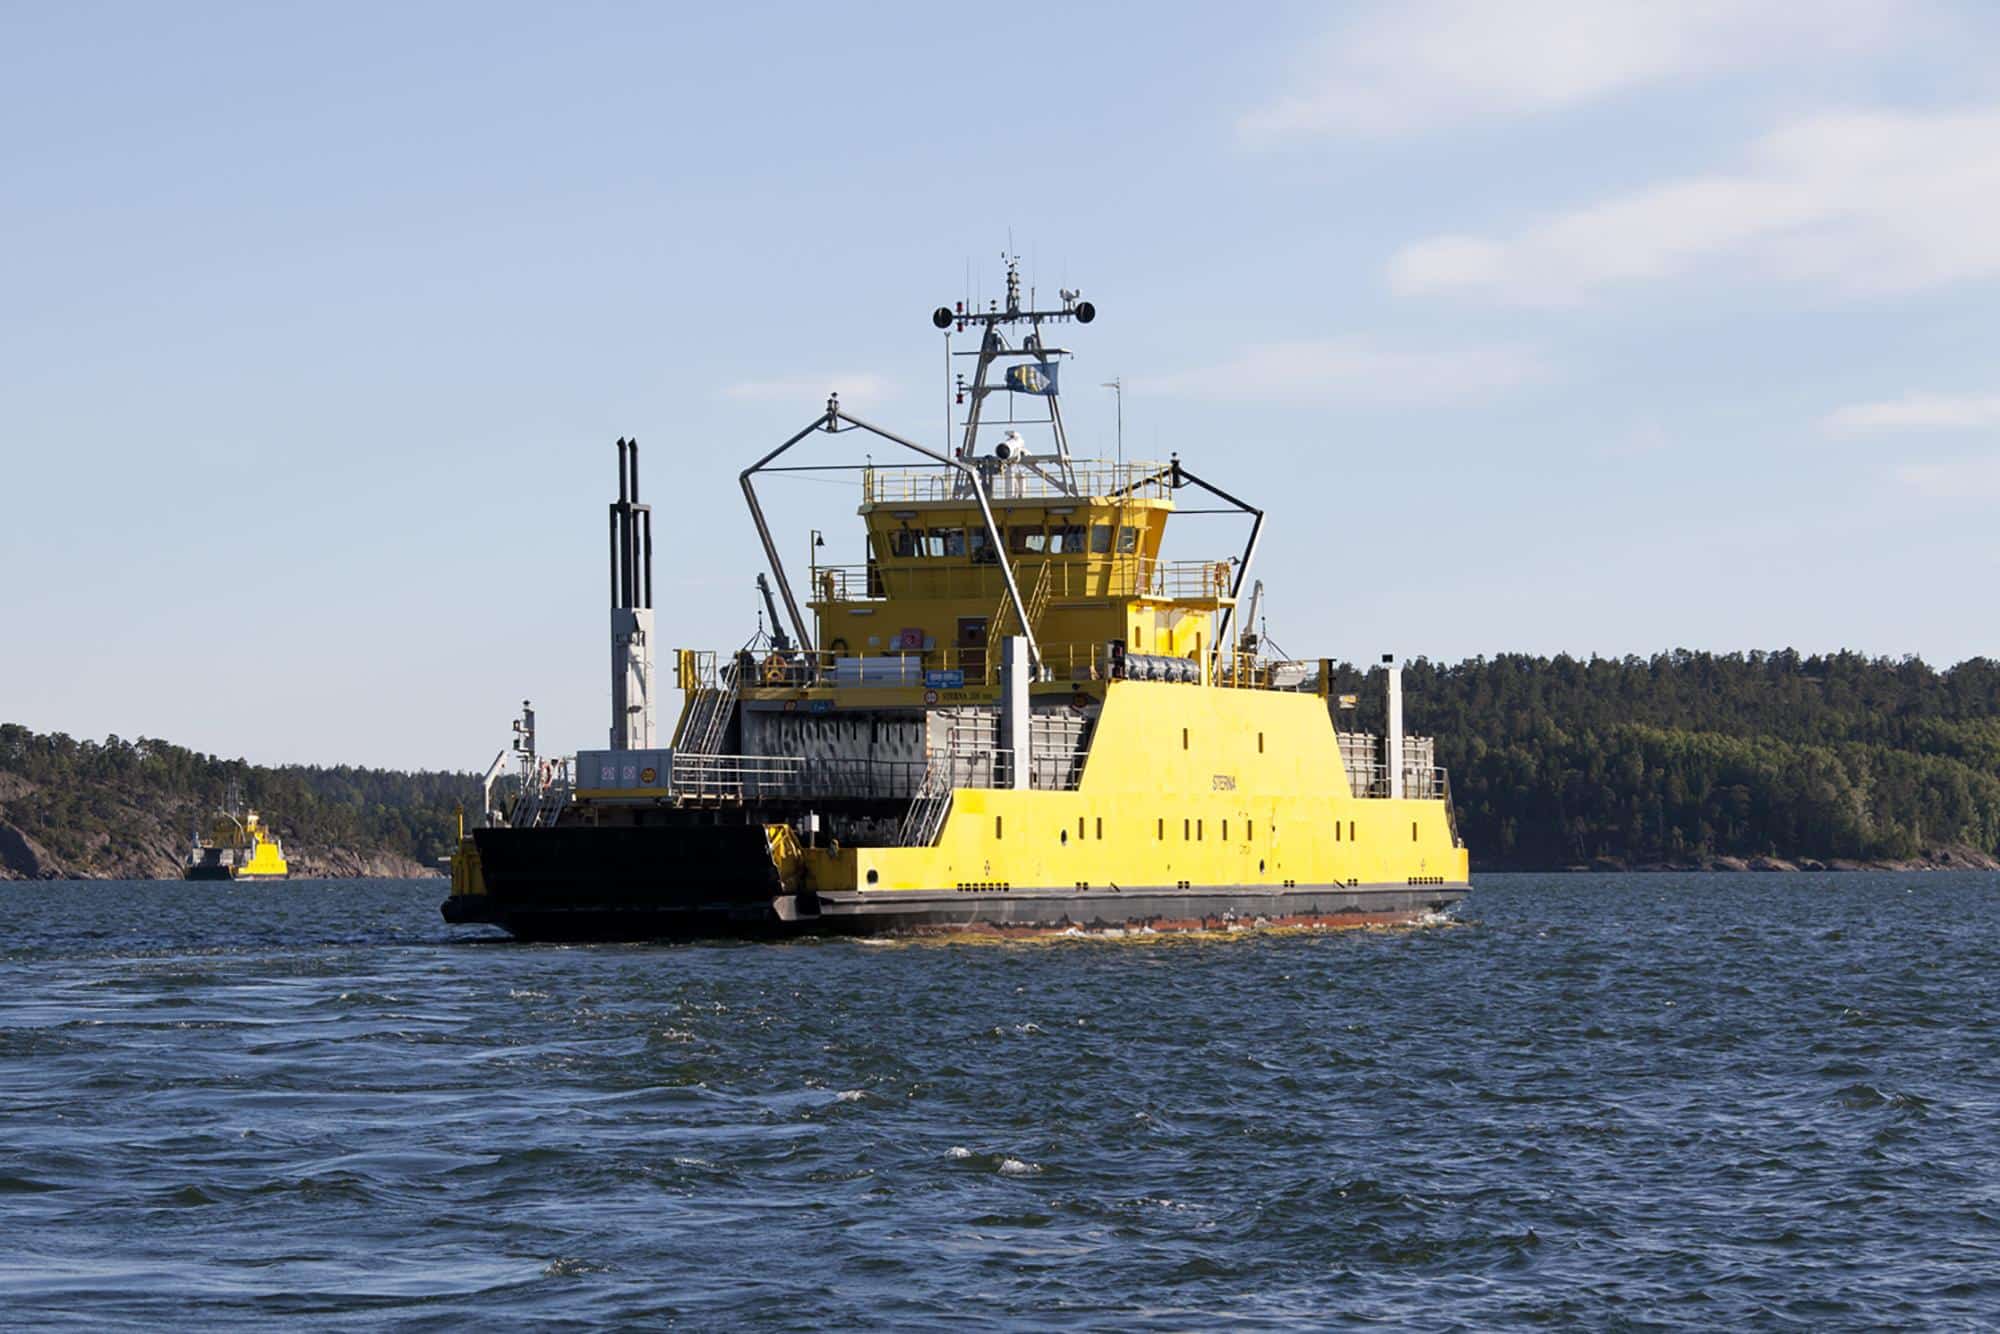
81,808
1678,760
1701,759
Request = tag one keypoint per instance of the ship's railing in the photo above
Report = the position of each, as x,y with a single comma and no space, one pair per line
1098,478
1096,576
1246,671
734,778
1372,780
696,668
993,767
949,667
800,670
542,798
939,668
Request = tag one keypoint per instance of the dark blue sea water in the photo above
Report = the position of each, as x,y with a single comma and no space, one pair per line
1616,1101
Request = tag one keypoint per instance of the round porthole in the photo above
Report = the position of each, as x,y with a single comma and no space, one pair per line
873,875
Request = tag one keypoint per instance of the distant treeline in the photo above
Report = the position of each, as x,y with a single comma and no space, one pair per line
83,790
1675,759
1684,757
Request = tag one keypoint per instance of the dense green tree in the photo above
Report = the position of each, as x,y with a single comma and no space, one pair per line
78,787
1685,756
1669,759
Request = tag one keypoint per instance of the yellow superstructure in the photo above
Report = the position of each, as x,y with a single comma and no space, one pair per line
267,855
1088,567
1215,779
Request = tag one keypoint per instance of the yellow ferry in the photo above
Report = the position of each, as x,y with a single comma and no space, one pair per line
1016,714
239,846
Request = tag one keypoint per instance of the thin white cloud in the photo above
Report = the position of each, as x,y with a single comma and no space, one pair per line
1974,479
1917,412
1854,201
1351,370
1399,68
858,387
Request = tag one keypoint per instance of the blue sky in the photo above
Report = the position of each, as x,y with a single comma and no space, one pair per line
1598,328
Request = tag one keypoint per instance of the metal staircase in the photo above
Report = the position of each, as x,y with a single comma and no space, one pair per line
540,804
706,722
924,821
999,625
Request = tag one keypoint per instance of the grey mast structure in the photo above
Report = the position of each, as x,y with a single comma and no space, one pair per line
1033,371
631,608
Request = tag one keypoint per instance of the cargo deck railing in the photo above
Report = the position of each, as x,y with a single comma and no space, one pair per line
696,778
734,777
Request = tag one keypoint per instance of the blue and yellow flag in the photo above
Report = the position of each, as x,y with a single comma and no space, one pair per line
1033,378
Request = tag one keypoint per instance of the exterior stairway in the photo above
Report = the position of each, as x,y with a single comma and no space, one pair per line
1001,624
706,722
925,819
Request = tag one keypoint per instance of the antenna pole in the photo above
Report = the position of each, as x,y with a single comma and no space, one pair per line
1117,385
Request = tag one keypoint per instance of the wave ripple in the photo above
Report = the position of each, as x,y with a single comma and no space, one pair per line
1664,1101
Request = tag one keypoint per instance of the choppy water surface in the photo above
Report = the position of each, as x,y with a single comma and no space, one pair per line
1700,1100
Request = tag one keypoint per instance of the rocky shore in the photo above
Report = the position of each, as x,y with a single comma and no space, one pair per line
23,858
152,843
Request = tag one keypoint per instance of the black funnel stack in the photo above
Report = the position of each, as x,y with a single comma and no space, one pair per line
631,535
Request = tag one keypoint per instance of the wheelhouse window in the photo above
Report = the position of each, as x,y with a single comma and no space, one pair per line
1067,540
1128,540
1101,535
942,542
1027,541
905,542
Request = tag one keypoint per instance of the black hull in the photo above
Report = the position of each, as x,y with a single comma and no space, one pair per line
710,881
207,873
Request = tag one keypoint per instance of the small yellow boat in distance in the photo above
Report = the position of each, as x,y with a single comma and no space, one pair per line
1015,714
238,846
